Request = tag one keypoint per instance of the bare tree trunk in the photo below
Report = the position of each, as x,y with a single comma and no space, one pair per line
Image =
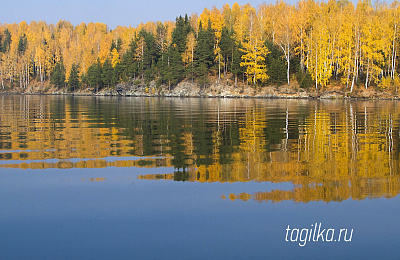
255,62
301,50
40,71
316,67
27,73
288,67
359,53
192,63
225,62
1,74
142,58
348,72
355,69
235,80
23,76
219,68
394,53
366,80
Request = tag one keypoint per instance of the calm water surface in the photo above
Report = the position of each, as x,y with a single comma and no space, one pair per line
148,178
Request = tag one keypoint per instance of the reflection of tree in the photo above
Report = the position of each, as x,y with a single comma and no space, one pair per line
181,175
330,150
95,163
350,158
334,191
167,176
340,153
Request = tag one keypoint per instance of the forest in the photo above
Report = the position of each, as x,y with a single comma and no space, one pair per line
316,44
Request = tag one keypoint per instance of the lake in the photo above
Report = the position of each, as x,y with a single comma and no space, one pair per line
172,178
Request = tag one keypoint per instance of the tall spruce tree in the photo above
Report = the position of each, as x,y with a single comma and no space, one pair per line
275,64
73,80
93,76
175,70
226,45
165,65
231,53
129,66
117,74
236,69
107,73
22,44
204,53
58,75
150,55
180,33
6,42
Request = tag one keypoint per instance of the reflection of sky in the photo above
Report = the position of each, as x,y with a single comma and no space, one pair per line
53,214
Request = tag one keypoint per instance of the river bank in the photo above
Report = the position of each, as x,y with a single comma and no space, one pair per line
189,89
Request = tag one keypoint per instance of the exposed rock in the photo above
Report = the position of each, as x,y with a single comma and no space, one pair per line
190,89
332,95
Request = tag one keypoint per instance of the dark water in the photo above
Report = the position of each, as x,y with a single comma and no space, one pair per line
147,178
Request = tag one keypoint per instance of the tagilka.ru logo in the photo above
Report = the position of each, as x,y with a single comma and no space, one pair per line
316,233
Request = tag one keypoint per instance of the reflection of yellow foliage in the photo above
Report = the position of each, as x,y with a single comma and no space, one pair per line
338,153
332,160
72,138
146,163
97,179
167,176
365,188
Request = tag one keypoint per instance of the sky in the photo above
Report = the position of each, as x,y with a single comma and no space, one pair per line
110,12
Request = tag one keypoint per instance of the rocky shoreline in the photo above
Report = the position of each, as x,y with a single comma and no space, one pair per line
189,89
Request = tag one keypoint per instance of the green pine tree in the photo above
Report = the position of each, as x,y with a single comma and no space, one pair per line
117,74
58,75
204,53
150,55
129,65
7,41
236,60
175,63
94,76
73,80
276,66
107,73
22,44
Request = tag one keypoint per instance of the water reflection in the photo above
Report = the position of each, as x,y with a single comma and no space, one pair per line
329,150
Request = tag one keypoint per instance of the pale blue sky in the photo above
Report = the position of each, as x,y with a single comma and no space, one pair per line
112,13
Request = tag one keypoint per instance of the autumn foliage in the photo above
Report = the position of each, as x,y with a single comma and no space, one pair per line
311,42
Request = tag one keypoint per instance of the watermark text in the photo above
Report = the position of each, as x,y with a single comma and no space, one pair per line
316,233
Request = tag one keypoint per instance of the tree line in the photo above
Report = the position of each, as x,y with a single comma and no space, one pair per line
313,43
